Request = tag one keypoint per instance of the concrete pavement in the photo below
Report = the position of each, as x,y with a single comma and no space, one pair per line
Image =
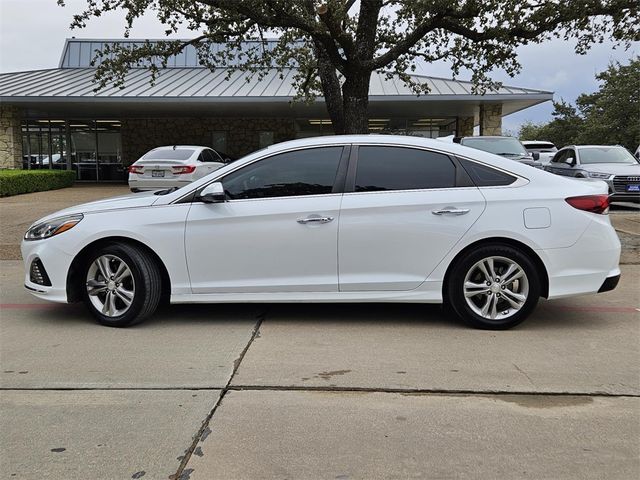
315,391
305,435
319,391
98,434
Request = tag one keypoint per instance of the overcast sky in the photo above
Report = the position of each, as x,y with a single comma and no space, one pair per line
32,34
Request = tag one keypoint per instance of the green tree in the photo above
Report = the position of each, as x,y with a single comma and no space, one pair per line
337,44
612,114
609,116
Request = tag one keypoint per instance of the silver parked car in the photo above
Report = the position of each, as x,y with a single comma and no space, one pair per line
611,163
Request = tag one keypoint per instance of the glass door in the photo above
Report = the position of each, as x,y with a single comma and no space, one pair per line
83,149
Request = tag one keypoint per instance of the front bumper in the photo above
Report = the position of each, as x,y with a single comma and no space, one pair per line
55,261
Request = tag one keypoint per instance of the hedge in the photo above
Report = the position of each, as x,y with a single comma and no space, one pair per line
15,182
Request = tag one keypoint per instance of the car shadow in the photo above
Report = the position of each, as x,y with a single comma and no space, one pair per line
558,314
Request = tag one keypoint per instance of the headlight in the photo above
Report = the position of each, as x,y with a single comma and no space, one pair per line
52,227
598,175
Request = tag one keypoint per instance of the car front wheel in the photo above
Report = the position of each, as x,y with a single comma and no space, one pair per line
494,287
122,285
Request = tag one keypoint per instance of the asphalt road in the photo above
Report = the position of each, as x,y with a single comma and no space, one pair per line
319,391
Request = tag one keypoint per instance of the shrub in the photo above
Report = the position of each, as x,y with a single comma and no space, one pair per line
15,182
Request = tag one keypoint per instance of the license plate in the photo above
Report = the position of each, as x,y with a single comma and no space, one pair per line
157,173
633,188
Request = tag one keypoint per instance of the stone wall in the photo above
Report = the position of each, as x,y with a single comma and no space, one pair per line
465,126
491,119
10,137
141,135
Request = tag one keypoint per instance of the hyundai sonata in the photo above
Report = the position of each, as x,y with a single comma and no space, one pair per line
336,219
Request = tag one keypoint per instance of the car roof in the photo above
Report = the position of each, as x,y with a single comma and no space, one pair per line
488,136
593,146
173,147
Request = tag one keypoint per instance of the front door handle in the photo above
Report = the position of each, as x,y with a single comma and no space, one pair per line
450,211
315,219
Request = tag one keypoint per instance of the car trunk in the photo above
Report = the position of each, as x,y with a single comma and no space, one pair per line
159,168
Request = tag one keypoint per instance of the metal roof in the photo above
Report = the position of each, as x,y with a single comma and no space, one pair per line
178,84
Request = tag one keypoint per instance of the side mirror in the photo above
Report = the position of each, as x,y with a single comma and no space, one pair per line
536,155
213,193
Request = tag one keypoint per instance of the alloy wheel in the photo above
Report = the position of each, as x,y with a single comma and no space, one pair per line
496,288
110,285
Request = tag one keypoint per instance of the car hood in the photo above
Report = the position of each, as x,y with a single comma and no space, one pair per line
613,168
132,200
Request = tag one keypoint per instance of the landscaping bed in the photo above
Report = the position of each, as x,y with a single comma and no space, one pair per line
15,182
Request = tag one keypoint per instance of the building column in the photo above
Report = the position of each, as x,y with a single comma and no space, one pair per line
491,119
10,137
465,126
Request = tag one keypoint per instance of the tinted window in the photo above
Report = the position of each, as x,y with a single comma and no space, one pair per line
560,157
484,176
168,154
397,168
304,172
208,156
541,146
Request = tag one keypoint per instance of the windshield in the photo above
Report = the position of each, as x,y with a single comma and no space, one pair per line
168,154
606,155
499,146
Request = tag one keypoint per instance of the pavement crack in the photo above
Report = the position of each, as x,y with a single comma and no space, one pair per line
427,391
203,432
525,374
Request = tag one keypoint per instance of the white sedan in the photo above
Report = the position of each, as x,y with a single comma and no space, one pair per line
174,166
336,219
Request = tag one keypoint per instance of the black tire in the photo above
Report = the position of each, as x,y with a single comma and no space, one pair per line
456,301
148,284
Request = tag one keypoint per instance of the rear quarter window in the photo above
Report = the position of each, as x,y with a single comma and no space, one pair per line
484,176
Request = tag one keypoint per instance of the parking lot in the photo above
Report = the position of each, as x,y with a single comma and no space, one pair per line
315,391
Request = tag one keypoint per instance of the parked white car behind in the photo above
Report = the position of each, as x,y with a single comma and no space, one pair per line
173,166
545,150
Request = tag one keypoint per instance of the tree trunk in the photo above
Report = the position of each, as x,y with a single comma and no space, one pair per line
330,89
355,103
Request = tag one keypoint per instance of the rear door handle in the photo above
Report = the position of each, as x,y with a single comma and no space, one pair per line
315,219
450,211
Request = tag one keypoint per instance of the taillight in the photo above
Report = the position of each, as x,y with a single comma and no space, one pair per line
183,169
590,203
136,169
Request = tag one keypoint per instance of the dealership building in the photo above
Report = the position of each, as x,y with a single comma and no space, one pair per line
55,118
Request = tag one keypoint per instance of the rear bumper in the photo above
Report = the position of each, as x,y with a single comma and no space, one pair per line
586,266
609,284
156,184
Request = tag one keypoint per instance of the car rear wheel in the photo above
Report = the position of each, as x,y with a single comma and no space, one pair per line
494,287
122,285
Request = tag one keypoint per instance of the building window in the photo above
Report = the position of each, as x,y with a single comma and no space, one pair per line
265,139
219,141
91,148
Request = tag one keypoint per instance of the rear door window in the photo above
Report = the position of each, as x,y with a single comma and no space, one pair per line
382,168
